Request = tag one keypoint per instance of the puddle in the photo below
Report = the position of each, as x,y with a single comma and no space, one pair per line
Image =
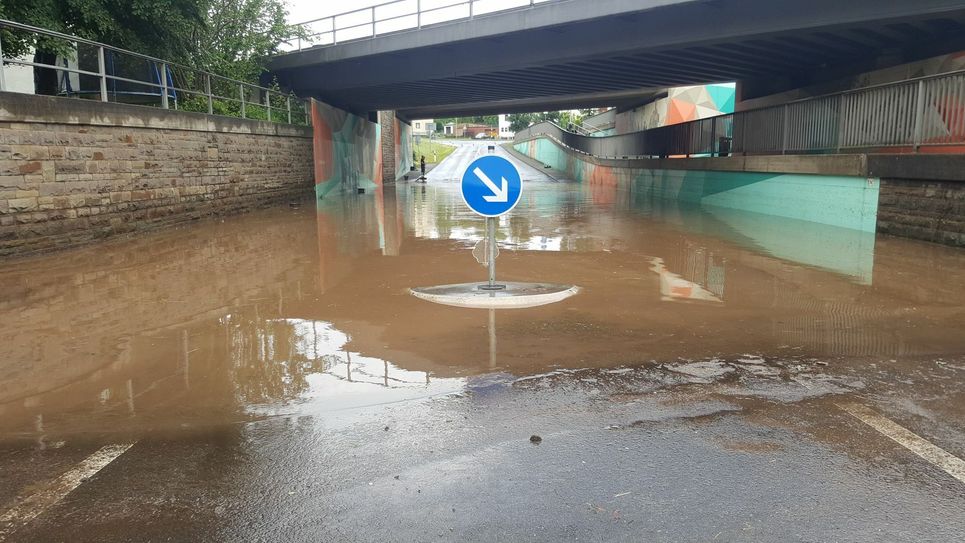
302,311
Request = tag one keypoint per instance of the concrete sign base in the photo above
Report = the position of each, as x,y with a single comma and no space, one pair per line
514,296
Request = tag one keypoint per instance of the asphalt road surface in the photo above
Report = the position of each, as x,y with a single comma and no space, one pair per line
268,378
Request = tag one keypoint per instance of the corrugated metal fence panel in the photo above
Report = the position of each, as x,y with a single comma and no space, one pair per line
759,131
879,117
943,119
813,125
928,111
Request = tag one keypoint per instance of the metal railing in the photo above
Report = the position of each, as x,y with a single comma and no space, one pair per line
594,124
894,117
589,130
89,69
579,129
396,16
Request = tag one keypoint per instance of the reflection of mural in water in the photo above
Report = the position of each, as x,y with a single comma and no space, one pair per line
696,201
841,250
377,224
347,150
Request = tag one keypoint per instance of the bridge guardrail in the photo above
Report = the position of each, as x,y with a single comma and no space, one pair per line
396,16
89,69
905,116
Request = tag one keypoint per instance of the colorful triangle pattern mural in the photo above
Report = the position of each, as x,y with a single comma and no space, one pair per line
681,105
699,102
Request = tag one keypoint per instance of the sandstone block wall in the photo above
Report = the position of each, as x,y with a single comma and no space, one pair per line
926,210
72,171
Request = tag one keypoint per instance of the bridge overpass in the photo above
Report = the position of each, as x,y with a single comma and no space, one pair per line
573,53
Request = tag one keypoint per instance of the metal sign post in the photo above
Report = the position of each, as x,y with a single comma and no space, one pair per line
491,187
491,247
492,339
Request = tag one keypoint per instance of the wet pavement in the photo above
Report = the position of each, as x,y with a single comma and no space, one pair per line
721,376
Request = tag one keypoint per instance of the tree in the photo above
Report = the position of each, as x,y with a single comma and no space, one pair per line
488,120
163,28
574,117
240,36
519,121
233,38
169,29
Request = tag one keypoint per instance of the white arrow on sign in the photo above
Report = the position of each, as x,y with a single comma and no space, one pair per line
499,194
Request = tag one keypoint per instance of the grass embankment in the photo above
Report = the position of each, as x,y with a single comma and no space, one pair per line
434,151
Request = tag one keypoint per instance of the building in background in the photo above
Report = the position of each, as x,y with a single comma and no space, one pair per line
423,127
505,133
468,130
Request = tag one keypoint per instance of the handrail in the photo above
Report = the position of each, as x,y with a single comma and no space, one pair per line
330,33
591,126
166,88
578,129
910,114
590,130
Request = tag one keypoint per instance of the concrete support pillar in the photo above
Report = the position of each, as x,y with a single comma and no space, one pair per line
387,120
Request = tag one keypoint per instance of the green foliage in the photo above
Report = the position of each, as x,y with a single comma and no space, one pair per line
519,121
241,35
233,38
569,117
488,120
168,29
434,152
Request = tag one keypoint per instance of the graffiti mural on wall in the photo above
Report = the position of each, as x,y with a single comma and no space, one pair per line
348,153
844,202
403,147
681,105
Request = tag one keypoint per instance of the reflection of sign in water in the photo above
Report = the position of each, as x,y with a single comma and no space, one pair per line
491,186
699,265
481,252
675,287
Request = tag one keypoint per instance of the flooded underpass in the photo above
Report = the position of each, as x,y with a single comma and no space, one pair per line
722,376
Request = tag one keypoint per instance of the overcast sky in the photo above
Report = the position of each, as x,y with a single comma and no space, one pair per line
306,10
300,11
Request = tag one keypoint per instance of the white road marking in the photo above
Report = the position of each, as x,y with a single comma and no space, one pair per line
37,503
934,454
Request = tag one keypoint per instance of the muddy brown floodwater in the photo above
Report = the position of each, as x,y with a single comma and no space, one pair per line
303,311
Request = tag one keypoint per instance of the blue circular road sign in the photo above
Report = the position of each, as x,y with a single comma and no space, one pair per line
491,186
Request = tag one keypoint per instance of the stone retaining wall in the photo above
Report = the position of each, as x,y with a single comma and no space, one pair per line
72,171
926,210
